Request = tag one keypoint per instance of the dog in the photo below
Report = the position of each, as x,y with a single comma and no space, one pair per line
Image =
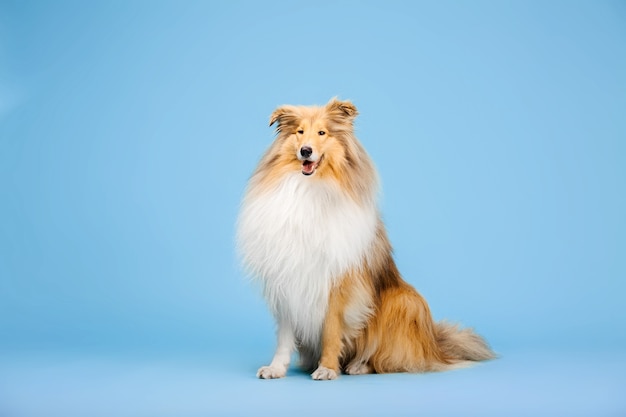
310,231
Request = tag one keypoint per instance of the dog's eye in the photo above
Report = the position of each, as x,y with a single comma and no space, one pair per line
300,131
321,133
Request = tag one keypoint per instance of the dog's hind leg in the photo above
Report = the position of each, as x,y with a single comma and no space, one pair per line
358,368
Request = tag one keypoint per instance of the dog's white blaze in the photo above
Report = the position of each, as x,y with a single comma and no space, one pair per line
298,239
315,156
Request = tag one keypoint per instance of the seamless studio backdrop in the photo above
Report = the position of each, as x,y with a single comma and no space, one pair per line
128,131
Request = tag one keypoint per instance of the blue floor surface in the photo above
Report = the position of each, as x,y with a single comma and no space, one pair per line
518,384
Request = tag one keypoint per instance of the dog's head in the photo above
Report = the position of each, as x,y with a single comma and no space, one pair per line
316,139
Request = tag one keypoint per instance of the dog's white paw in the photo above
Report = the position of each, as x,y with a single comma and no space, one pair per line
323,374
271,372
358,368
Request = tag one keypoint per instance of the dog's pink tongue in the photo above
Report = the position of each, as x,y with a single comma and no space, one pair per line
308,167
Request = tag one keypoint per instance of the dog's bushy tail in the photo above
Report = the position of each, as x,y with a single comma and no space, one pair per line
462,345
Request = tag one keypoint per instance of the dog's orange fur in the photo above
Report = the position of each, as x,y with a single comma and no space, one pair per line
400,335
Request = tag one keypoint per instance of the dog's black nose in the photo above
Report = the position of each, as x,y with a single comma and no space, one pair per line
306,151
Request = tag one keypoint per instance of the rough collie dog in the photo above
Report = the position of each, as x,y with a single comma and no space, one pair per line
310,230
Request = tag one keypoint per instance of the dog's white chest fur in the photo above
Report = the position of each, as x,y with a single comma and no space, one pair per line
298,239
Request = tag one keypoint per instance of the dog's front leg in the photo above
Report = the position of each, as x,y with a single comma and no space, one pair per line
331,339
282,356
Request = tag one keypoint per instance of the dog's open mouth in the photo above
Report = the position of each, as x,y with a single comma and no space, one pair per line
309,167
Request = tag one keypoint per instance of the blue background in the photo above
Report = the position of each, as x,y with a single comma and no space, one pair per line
128,131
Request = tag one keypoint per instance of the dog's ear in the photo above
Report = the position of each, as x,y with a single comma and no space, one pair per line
344,109
283,116
276,115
